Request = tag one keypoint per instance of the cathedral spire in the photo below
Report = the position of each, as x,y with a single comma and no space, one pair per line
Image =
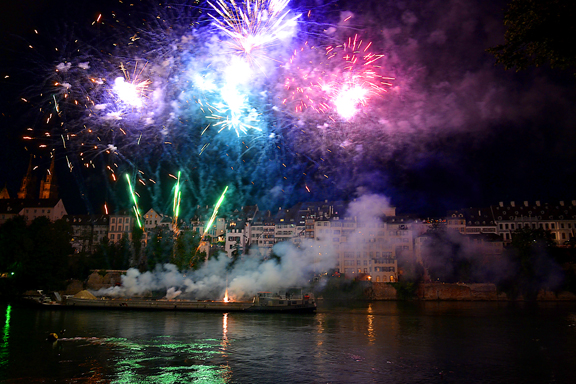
26,189
4,193
48,185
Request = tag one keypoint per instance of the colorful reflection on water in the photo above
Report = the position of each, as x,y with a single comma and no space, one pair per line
5,337
370,342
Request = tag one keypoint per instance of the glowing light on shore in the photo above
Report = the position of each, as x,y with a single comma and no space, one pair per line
226,298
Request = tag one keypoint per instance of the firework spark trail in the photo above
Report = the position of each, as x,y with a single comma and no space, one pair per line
213,217
254,25
136,209
176,206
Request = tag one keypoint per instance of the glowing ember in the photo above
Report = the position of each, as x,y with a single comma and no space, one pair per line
226,298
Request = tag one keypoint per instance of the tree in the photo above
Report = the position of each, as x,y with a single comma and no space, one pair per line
159,248
101,258
531,254
449,258
122,253
15,244
538,32
37,253
137,235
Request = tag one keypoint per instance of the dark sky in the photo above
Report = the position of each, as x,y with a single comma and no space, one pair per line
454,131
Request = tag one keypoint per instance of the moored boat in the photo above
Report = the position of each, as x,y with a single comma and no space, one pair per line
292,301
262,302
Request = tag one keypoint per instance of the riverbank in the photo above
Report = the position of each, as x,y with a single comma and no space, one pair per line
459,292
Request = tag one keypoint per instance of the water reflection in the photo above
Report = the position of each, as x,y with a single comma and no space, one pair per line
224,332
367,342
370,322
6,334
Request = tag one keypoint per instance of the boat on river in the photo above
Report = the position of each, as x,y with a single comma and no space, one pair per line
262,302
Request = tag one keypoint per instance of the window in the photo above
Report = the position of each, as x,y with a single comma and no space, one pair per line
112,237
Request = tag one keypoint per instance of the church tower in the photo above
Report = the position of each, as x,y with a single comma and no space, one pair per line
48,188
27,187
4,193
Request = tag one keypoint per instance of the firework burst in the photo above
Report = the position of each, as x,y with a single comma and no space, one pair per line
346,79
254,25
151,98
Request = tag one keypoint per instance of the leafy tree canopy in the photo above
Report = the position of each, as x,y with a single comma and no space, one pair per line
538,32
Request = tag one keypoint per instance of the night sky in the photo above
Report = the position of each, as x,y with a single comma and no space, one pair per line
453,129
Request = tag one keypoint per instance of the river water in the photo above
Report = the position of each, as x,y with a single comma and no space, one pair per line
377,342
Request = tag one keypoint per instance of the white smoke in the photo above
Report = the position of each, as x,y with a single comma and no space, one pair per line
63,67
251,273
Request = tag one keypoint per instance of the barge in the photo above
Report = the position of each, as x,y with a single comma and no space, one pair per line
262,302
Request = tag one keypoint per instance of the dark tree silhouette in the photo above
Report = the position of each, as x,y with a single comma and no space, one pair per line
538,32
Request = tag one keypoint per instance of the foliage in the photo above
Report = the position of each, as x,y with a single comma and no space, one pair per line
341,288
38,253
409,269
185,251
533,266
159,248
538,32
405,289
137,236
450,259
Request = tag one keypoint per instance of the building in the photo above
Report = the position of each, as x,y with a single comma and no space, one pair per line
28,204
121,225
262,233
152,219
236,237
503,219
559,219
88,231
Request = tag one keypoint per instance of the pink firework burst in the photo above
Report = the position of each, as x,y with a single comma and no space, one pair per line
343,79
356,76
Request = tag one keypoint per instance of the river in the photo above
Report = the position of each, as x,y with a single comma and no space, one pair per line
368,342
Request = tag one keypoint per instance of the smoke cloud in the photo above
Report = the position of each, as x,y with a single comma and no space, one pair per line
244,278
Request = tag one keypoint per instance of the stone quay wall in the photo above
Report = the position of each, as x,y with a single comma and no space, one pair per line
460,292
